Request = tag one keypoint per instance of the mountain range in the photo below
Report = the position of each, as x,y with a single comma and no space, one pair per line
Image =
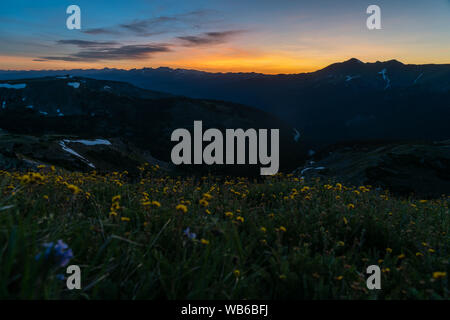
350,100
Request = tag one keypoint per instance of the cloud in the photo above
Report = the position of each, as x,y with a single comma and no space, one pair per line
209,38
96,31
88,44
159,25
141,51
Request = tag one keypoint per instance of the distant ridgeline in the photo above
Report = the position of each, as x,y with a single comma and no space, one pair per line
345,101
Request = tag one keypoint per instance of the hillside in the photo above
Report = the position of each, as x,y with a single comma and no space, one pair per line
139,122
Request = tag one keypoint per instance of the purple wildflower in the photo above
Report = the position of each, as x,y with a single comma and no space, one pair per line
189,234
60,251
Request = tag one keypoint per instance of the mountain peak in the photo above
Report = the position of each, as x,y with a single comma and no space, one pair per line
352,61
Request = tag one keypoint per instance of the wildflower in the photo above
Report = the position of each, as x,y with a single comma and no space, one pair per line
283,229
203,202
388,250
239,218
304,189
341,243
419,254
431,250
236,273
59,252
345,220
229,214
385,270
156,203
73,188
45,197
351,206
116,198
401,256
181,207
207,211
339,278
125,219
263,229
187,232
204,241
207,196
439,275
283,276
263,241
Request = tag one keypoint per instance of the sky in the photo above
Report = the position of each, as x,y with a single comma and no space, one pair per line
266,36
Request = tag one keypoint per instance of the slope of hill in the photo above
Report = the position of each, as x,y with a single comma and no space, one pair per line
143,120
408,168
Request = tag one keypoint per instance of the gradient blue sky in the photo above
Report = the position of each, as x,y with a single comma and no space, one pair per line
284,36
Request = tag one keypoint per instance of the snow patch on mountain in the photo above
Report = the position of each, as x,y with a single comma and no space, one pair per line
349,78
13,86
311,168
296,135
385,78
76,85
94,142
417,79
63,145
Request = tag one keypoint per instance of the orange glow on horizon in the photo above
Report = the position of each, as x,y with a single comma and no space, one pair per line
224,61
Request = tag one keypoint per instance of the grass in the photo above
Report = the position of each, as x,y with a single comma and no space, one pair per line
276,238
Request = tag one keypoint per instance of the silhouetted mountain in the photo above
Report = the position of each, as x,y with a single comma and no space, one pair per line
344,101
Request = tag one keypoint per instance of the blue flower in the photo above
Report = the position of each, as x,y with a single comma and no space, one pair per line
59,251
189,234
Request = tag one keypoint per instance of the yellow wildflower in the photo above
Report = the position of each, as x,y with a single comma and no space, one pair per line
439,275
181,207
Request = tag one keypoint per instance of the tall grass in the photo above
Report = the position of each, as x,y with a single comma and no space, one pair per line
279,238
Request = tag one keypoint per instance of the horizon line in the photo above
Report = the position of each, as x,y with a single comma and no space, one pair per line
221,72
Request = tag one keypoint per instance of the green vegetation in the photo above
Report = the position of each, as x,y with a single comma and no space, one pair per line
276,238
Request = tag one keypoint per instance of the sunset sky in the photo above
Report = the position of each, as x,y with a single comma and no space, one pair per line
268,36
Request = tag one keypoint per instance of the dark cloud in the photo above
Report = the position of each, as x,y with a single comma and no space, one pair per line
88,44
159,25
209,38
96,31
67,58
123,52
40,60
